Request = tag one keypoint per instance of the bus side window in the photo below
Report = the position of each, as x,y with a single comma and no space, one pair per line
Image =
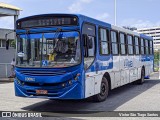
103,41
137,46
130,44
88,46
114,41
89,50
122,37
146,46
91,47
142,46
151,47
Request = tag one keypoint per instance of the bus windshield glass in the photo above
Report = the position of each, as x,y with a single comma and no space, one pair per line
54,50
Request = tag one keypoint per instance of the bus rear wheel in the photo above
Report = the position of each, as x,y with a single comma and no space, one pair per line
103,91
141,80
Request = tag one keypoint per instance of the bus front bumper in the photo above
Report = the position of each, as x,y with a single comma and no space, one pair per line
73,91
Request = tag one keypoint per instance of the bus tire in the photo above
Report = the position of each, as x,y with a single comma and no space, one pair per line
141,80
103,91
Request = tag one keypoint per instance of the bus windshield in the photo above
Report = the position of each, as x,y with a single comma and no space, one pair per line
55,50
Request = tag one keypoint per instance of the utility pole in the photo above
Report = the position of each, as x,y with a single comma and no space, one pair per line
159,62
115,12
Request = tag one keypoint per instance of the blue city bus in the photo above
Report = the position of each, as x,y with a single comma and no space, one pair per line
72,56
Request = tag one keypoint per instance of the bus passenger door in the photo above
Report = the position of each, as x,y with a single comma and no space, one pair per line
88,65
88,39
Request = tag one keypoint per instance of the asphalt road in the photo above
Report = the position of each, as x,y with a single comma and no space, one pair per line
130,97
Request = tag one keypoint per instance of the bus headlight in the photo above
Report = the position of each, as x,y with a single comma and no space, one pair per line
19,82
70,82
63,84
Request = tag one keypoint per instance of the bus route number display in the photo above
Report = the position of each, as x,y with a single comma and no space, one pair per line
52,21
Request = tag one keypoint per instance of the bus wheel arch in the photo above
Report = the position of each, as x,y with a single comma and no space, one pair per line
143,68
104,89
141,80
107,76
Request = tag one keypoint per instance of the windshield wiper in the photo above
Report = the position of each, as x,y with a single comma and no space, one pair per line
56,36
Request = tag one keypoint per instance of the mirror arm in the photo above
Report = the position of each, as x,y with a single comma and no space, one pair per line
86,45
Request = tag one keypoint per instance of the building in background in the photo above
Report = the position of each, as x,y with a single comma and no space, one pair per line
153,32
6,56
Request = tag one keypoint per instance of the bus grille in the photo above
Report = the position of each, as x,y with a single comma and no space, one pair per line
43,85
42,73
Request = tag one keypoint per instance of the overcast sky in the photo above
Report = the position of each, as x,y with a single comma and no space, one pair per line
137,13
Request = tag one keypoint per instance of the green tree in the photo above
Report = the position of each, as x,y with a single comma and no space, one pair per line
13,43
156,60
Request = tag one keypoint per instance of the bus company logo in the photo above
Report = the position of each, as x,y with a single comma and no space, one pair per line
29,79
20,114
106,63
145,58
6,114
142,58
128,63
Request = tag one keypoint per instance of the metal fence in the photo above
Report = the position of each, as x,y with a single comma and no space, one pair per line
5,70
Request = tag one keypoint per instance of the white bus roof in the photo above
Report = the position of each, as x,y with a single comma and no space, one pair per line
124,30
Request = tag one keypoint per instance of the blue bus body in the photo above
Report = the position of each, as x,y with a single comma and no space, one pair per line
76,82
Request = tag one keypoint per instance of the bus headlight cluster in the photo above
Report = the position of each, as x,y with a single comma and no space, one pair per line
70,82
19,82
67,83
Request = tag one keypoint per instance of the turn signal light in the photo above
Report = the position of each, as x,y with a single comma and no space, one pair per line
76,78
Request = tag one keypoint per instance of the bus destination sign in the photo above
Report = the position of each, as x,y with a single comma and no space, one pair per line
48,21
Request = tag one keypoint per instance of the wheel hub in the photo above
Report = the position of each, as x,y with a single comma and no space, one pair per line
103,89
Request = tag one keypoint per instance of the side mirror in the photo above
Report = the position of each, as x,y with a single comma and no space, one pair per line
84,38
87,42
7,42
90,43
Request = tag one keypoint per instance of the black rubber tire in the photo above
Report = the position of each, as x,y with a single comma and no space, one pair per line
103,92
141,80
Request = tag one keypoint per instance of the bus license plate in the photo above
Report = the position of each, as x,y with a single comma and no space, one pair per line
41,92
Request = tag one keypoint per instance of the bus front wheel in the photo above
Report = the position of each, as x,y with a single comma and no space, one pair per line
103,91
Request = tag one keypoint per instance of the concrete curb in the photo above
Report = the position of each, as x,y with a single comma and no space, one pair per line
153,73
6,79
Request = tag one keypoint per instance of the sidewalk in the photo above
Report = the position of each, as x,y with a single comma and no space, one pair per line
6,79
